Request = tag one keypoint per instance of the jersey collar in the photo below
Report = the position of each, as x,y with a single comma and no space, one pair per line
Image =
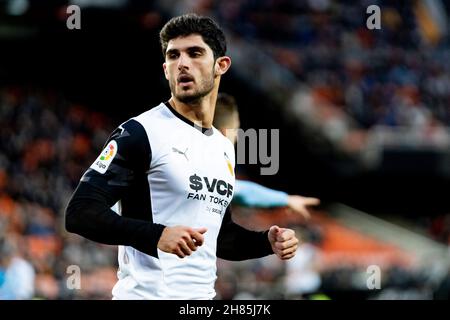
205,131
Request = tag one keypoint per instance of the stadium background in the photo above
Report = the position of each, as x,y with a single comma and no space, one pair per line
363,115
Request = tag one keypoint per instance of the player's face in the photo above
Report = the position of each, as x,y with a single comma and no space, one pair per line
190,68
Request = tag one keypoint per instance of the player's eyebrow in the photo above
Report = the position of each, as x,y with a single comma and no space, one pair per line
172,51
189,49
196,48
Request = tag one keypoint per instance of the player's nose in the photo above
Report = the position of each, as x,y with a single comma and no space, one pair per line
183,62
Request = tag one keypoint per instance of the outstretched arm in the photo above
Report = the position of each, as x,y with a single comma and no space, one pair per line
300,204
251,194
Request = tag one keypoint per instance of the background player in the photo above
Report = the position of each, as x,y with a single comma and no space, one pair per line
248,193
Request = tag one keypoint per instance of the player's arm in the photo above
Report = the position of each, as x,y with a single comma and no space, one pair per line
238,243
251,194
89,215
89,211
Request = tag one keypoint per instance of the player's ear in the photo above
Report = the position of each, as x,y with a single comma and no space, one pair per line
165,71
222,65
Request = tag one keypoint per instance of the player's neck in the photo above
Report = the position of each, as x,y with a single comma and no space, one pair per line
201,113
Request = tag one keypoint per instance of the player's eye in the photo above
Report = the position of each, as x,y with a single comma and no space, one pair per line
172,55
195,53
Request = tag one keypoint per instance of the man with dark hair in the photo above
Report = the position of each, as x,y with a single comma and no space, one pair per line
248,193
170,177
189,24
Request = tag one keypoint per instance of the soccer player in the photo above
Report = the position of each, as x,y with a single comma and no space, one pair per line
248,193
170,176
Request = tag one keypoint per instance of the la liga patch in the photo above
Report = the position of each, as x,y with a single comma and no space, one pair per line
103,161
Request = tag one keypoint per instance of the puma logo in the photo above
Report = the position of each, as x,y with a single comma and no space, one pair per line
180,152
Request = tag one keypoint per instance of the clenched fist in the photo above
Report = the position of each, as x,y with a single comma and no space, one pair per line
181,240
284,242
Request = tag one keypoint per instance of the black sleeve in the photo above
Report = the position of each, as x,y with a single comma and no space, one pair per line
89,211
236,243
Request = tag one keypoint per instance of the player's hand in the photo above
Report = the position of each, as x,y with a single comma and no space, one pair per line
284,242
181,240
300,204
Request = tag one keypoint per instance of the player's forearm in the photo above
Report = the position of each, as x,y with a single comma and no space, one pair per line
89,215
238,243
251,194
242,244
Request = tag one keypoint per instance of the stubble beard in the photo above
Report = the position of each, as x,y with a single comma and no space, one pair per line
205,87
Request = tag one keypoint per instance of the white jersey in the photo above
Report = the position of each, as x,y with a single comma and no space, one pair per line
189,182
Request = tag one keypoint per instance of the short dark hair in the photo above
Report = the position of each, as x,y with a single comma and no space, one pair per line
226,106
191,23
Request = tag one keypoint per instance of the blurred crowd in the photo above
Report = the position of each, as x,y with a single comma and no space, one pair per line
353,79
45,144
311,275
389,76
356,77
